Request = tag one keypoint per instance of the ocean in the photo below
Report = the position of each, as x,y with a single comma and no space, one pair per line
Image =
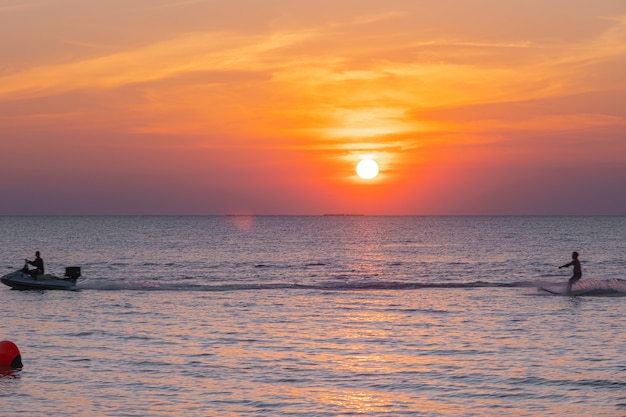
316,316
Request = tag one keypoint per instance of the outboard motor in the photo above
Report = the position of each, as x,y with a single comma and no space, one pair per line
72,273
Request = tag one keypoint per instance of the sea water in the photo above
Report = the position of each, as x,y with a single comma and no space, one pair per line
316,316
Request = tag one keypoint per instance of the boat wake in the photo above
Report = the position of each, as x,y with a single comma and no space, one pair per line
602,287
614,287
342,285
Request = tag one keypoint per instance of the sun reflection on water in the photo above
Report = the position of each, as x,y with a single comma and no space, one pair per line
360,401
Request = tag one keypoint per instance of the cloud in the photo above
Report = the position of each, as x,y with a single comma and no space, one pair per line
193,53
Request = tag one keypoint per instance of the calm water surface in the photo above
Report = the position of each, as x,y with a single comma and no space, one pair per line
316,316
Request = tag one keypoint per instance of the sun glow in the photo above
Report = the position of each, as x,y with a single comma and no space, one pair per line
367,169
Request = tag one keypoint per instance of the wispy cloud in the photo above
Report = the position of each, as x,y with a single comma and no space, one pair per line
163,60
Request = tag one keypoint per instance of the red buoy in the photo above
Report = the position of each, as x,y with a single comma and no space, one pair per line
10,355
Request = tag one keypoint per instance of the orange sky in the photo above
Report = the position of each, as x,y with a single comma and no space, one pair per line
265,107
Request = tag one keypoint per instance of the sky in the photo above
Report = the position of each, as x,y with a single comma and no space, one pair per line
264,107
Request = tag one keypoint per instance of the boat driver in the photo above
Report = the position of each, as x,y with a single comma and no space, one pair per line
37,263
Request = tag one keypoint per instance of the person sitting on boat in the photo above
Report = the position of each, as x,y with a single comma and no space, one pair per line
37,263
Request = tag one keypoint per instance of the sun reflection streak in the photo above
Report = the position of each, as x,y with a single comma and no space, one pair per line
361,401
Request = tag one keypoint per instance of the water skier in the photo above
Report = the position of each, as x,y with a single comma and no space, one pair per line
578,272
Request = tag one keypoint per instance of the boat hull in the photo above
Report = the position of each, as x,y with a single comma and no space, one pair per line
21,281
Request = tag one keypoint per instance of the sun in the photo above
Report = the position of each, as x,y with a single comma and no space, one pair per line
367,169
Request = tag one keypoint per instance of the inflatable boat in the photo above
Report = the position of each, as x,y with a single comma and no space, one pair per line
22,280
